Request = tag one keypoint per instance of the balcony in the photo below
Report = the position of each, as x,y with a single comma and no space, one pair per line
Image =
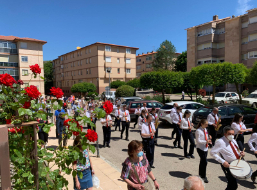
252,45
252,28
244,48
244,32
218,52
205,39
204,53
8,50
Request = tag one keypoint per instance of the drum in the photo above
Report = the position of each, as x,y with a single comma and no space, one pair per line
242,170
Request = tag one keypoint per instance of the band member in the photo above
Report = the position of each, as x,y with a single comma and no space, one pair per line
144,108
202,142
141,119
125,120
107,124
212,121
147,134
254,149
176,119
225,151
239,128
137,113
173,110
117,117
187,126
155,120
90,115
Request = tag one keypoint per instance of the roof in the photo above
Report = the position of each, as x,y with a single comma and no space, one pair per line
15,38
182,102
217,21
151,53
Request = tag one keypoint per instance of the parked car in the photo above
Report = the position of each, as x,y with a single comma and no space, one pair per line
164,113
127,99
132,105
251,99
227,113
226,97
110,95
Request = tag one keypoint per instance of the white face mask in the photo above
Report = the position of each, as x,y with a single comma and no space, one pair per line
230,137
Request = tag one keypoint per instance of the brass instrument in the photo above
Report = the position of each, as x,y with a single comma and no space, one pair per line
218,123
156,123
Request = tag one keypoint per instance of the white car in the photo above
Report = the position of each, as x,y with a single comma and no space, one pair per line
226,97
251,99
110,95
164,112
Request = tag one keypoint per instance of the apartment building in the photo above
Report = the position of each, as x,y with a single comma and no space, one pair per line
90,64
145,62
232,39
17,54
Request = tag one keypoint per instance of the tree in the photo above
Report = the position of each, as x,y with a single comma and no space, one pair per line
135,83
196,79
252,73
161,80
48,75
181,62
165,57
83,88
124,91
116,84
188,85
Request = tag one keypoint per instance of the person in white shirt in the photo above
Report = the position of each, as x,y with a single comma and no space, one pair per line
202,142
125,121
176,119
183,95
225,151
144,108
107,124
252,139
90,115
154,119
173,110
117,117
239,128
186,125
141,119
137,113
212,121
147,134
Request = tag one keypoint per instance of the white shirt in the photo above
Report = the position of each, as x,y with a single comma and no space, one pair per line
251,140
176,117
123,114
211,119
144,108
184,123
222,147
145,129
109,119
236,127
137,111
88,114
154,117
117,112
200,139
173,110
114,106
140,121
183,93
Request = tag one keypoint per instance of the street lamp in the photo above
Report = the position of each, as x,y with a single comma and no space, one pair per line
109,69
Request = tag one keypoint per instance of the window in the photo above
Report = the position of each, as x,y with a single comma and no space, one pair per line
205,32
78,63
249,110
196,106
187,106
87,71
244,24
24,58
107,48
108,59
252,54
138,67
128,51
205,46
220,31
128,60
86,51
80,52
118,70
252,37
118,50
138,59
223,111
25,72
233,110
118,60
86,61
89,51
128,71
252,20
245,56
89,60
134,105
24,45
148,57
245,40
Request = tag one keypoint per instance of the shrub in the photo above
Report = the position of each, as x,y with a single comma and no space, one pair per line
158,98
92,95
124,91
147,98
116,84
168,91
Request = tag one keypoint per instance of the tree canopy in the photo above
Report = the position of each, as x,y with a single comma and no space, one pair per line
181,62
124,91
135,83
83,88
251,78
48,75
116,84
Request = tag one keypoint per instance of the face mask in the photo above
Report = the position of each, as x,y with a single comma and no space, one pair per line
230,137
140,154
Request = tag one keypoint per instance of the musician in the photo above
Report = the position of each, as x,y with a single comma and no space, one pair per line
239,128
155,120
141,119
212,121
147,134
144,108
252,139
202,142
173,110
90,115
117,117
125,121
107,124
225,151
187,126
176,119
137,113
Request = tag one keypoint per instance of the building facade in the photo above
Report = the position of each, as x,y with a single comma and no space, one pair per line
17,54
90,63
231,39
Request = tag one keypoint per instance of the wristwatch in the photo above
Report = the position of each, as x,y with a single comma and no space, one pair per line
154,180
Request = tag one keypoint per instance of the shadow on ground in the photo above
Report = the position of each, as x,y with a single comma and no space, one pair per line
179,174
244,183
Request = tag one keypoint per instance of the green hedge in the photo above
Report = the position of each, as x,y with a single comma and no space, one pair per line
124,91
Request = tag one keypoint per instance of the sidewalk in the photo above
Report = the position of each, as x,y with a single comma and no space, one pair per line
109,177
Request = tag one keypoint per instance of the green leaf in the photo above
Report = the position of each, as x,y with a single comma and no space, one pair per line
80,175
42,77
74,173
25,174
21,111
2,97
92,148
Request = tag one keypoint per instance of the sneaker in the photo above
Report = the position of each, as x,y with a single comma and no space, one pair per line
205,180
180,147
192,156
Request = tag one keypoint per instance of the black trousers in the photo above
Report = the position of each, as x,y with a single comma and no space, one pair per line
156,134
255,173
213,133
203,162
240,141
137,116
107,135
232,182
117,123
125,125
149,149
188,136
178,135
174,130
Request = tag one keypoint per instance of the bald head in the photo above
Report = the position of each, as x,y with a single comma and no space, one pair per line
215,110
175,105
193,183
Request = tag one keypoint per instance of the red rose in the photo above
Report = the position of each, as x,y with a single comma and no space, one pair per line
20,82
108,107
65,123
8,121
15,129
32,92
35,69
7,80
91,135
57,92
26,105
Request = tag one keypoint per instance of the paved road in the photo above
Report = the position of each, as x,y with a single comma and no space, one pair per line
171,167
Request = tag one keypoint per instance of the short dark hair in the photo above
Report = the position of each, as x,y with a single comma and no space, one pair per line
226,129
132,146
237,117
90,107
186,112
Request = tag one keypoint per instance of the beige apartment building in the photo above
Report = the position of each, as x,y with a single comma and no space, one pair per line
90,63
232,39
145,62
17,54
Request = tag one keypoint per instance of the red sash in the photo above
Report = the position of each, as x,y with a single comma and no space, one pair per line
240,128
189,125
150,129
234,150
206,138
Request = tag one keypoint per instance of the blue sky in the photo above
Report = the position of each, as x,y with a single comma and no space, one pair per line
66,24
